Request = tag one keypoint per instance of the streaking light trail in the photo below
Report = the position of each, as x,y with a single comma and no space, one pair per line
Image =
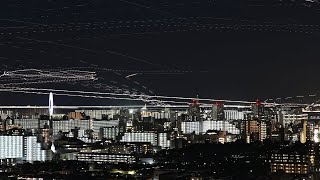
114,95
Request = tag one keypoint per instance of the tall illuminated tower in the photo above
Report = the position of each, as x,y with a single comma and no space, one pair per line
50,104
50,110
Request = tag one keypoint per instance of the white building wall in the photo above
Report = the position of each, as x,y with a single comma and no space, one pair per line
33,150
218,126
67,125
11,147
188,127
29,123
26,148
163,140
110,132
263,131
140,137
233,115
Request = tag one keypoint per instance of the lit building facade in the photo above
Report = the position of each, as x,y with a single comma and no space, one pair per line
141,137
219,126
200,127
23,148
290,163
287,118
109,132
33,151
106,158
233,115
164,140
262,130
188,127
11,147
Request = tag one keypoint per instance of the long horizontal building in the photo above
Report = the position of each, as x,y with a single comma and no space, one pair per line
199,127
106,158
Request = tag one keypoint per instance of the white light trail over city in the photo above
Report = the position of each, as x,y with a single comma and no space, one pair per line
25,81
135,97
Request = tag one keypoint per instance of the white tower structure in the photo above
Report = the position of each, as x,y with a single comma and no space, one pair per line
50,104
50,123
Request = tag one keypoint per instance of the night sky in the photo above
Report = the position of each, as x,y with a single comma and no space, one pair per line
239,50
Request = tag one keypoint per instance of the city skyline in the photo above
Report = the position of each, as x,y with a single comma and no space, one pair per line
139,135
159,89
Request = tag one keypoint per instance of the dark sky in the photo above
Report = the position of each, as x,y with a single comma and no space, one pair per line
233,50
231,65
